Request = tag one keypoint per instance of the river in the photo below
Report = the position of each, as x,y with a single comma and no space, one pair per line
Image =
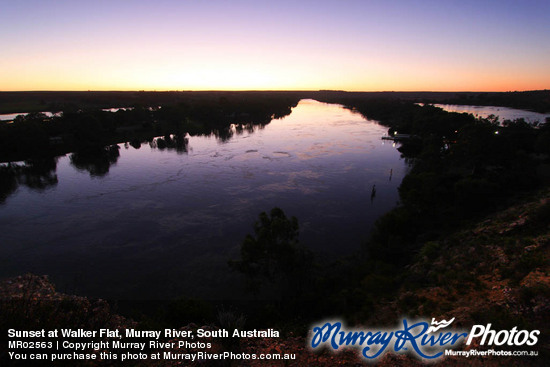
162,223
504,113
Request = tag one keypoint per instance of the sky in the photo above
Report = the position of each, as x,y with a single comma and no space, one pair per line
354,45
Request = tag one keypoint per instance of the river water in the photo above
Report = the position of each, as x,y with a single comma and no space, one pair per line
504,113
162,223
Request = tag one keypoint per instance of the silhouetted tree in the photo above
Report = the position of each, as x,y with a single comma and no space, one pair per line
273,255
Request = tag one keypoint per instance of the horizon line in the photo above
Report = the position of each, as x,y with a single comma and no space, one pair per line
263,90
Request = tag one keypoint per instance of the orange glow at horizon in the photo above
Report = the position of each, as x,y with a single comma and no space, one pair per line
258,77
354,46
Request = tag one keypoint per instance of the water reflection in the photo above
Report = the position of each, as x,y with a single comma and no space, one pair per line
96,161
36,174
162,217
177,142
503,113
225,134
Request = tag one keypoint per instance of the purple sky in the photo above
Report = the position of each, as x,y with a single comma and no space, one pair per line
351,45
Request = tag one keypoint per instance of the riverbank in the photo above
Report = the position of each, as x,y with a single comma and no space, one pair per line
55,101
496,271
443,252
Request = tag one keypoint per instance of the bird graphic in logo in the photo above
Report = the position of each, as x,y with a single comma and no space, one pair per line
439,325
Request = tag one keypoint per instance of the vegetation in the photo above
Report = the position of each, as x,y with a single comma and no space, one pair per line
91,135
273,255
37,135
538,100
441,251
37,174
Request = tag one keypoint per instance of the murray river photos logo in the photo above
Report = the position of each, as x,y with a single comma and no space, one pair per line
425,340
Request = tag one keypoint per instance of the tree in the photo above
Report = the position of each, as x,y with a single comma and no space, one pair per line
273,255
